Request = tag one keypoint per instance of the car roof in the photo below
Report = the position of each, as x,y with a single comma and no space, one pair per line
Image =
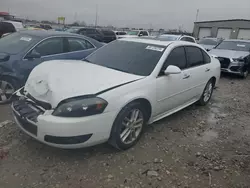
45,34
156,42
237,40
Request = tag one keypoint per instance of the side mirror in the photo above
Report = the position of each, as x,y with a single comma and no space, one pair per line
33,55
171,69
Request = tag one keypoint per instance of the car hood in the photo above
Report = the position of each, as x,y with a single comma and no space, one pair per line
54,81
228,53
207,47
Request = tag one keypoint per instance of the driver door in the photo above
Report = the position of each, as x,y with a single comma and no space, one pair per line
172,89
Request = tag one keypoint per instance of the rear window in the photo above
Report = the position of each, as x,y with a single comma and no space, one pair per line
208,41
131,57
16,42
167,37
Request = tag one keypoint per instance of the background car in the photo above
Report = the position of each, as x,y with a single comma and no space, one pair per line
209,43
119,34
101,35
7,27
135,33
234,56
45,26
170,37
20,52
113,95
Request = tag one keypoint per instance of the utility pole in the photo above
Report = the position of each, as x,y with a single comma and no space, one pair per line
197,15
96,16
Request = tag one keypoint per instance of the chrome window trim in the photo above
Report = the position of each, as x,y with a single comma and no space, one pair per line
59,53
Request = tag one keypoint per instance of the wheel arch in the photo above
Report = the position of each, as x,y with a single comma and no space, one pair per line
213,80
142,100
146,104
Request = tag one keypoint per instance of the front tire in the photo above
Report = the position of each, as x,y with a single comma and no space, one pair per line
128,126
207,93
7,87
244,74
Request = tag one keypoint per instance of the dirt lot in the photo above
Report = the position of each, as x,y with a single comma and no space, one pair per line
197,147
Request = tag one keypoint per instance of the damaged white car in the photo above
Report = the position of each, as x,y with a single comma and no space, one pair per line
113,94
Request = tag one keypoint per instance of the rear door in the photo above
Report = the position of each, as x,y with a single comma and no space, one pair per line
78,48
198,70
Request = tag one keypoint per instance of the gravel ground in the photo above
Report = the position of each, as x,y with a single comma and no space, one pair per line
197,147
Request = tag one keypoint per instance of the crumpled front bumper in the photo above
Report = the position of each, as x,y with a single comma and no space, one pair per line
233,70
61,132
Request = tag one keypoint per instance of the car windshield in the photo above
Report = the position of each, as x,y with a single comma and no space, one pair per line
17,42
130,57
234,45
208,41
132,33
167,37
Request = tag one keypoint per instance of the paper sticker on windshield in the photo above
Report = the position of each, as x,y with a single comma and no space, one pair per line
27,39
241,45
155,48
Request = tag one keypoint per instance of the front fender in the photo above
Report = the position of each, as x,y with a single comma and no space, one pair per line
121,96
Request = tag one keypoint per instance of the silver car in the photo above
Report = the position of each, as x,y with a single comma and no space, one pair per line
234,56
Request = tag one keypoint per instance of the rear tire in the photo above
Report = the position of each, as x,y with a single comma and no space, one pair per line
128,126
244,74
207,93
7,87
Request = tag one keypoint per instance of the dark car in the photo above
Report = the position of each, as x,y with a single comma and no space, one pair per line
101,35
234,56
46,26
20,52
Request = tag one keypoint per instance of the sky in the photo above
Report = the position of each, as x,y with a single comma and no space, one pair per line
167,14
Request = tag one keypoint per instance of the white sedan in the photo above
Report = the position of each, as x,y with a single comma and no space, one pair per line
114,93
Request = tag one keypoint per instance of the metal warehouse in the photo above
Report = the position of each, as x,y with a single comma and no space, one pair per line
227,29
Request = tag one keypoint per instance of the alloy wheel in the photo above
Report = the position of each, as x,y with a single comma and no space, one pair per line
132,126
245,74
208,92
6,91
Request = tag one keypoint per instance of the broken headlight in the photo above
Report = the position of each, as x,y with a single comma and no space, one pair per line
80,107
237,61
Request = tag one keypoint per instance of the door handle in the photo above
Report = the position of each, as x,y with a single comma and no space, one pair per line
186,76
207,70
